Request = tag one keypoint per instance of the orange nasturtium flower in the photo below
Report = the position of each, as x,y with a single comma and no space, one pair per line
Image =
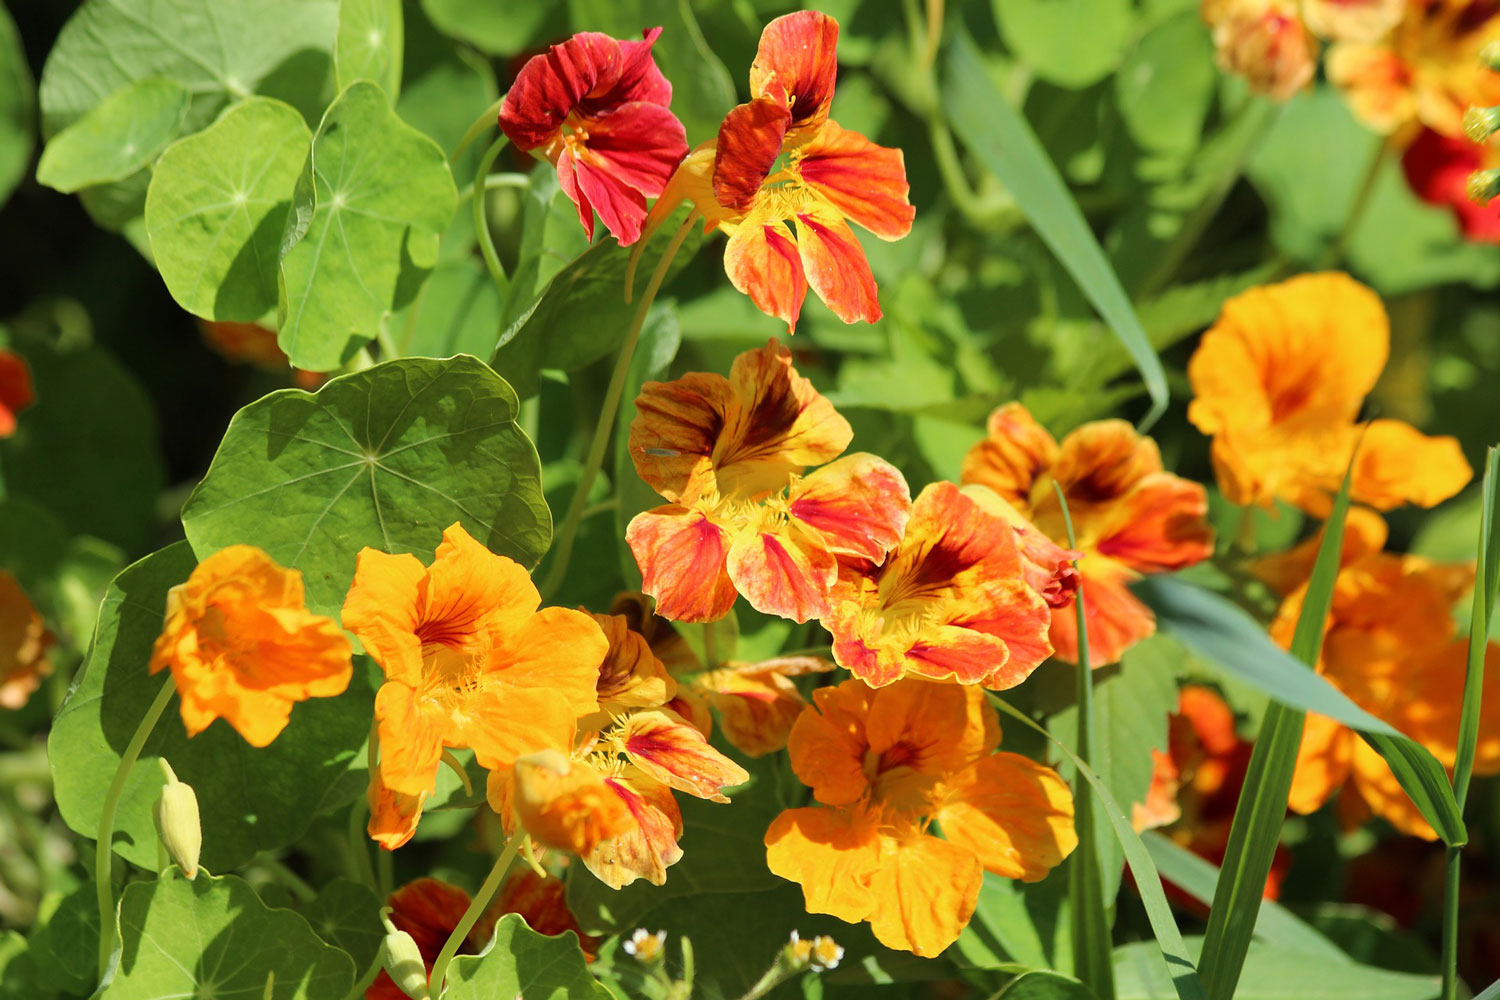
1427,71
15,390
596,108
1278,382
830,177
1264,41
729,456
24,641
887,764
469,661
951,602
610,801
243,647
1391,645
1130,516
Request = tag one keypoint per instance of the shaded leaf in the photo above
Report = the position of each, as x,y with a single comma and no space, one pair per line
521,962
17,107
118,136
346,914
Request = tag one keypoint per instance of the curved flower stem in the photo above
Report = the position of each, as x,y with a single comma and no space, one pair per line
103,847
710,644
481,221
486,120
563,549
477,906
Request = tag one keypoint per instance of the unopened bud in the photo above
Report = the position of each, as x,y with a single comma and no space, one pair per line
403,959
177,822
1489,56
1481,123
1483,185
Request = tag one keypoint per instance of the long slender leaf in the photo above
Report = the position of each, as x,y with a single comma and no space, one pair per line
999,135
1223,634
1168,938
1256,828
1486,579
1275,925
1491,992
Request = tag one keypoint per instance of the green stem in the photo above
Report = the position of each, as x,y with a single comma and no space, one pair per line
388,349
710,647
778,973
104,846
294,883
495,182
477,906
563,550
358,992
481,221
1450,926
487,120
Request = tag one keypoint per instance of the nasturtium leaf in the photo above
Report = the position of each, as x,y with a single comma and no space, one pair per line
17,966
118,136
250,800
386,457
499,29
660,338
1071,43
377,201
456,312
17,107
520,962
217,205
1017,923
346,914
64,941
1274,974
219,51
213,937
1166,85
1044,985
369,44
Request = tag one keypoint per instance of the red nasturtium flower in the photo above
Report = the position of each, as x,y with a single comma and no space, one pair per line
1437,169
831,176
243,647
728,455
951,602
1278,381
469,661
24,641
885,765
15,390
1130,516
597,109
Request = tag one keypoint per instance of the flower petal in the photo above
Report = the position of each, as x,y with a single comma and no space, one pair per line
1014,814
556,651
682,554
567,805
1016,452
796,64
827,743
551,85
1397,464
925,891
501,723
393,817
1159,526
832,854
933,729
749,142
411,740
15,390
673,752
629,156
786,571
24,642
631,675
866,182
640,79
757,703
1324,760
762,261
676,428
1115,617
835,265
648,850
859,505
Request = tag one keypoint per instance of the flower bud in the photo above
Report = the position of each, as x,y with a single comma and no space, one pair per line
1483,185
403,959
177,822
1489,56
1265,42
1481,123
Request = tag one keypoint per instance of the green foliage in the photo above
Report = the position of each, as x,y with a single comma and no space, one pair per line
346,914
521,962
1276,974
17,108
369,44
387,457
117,137
1045,35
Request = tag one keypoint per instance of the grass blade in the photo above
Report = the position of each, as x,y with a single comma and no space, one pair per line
1256,828
1003,140
1168,938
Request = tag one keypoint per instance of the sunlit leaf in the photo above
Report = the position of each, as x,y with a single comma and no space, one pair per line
369,44
521,962
17,107
118,136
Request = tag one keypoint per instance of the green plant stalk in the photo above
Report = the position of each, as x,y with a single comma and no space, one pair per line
1486,572
710,644
103,847
568,534
1090,923
482,223
1256,828
477,906
488,119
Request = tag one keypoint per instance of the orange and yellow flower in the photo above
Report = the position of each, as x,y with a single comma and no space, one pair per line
1391,645
1129,515
951,602
729,456
469,661
1425,72
885,766
15,390
24,642
830,177
1266,42
1278,382
243,647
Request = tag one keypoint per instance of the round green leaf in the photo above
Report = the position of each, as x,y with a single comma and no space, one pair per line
1071,43
369,44
250,800
521,962
17,106
1166,85
499,29
119,135
387,457
346,914
217,206
378,199
213,937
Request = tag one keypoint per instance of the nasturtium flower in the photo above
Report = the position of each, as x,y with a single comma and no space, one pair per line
1130,517
243,647
597,109
1278,382
950,602
779,161
885,766
469,661
254,344
758,702
1352,20
1425,72
729,455
24,642
1264,41
1438,168
1390,643
15,390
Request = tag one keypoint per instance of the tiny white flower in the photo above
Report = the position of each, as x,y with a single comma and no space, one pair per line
645,946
